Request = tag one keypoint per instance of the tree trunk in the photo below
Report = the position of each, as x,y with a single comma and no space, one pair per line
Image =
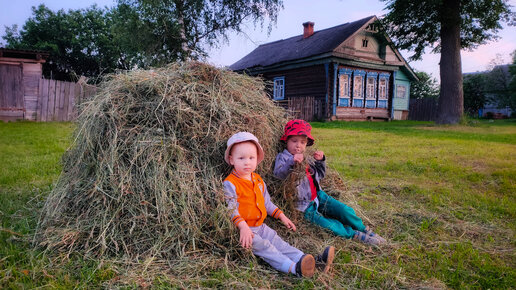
182,30
451,100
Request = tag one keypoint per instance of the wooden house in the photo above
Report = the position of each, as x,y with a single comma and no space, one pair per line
20,74
348,72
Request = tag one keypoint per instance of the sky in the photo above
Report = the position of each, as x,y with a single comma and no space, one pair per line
325,14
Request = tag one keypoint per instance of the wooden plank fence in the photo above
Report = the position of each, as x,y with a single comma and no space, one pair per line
59,100
423,109
306,108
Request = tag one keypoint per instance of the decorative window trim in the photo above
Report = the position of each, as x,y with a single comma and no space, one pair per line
358,89
279,88
345,88
383,99
370,93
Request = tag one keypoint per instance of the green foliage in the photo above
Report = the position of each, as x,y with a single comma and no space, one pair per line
183,29
79,41
133,33
474,93
425,87
416,25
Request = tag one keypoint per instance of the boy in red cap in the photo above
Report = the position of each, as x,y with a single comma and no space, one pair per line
318,207
249,200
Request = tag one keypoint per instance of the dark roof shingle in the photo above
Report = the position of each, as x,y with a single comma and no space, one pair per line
297,47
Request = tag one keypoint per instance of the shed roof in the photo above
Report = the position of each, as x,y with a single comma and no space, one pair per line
23,53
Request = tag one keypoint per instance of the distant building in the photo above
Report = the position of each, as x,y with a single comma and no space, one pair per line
351,72
20,72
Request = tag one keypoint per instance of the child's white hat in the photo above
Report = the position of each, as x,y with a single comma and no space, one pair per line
243,137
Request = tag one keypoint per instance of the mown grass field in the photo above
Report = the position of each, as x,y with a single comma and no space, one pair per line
444,196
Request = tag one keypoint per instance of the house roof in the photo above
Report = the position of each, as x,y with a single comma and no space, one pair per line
297,47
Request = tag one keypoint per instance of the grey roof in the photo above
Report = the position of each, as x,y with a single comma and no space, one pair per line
297,47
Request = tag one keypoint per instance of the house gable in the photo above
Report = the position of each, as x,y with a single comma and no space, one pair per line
369,45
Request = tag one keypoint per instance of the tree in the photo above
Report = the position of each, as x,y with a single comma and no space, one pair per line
183,29
474,92
425,87
446,26
134,33
79,41
511,100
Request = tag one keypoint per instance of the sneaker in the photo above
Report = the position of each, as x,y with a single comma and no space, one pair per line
366,239
323,261
374,235
305,267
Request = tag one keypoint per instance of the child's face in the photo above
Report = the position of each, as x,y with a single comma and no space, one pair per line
296,144
244,158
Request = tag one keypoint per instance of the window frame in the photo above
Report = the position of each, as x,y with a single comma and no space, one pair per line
278,88
345,92
383,101
358,101
370,100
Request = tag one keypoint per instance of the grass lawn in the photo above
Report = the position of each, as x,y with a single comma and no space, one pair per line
444,196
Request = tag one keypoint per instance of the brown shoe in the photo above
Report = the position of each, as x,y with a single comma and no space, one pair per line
323,261
305,267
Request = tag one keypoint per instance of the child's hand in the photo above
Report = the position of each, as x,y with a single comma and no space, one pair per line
287,222
298,158
318,155
246,235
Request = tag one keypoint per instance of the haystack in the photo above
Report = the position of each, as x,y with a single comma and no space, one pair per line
144,174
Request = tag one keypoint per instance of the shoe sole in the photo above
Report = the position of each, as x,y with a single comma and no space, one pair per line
308,266
329,259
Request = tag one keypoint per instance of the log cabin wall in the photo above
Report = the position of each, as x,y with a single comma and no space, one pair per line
302,84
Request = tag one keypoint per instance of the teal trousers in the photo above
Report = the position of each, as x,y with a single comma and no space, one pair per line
334,216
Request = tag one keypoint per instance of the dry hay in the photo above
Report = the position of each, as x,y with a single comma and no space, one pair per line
143,177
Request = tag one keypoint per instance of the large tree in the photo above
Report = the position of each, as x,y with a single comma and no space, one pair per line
184,29
134,33
446,26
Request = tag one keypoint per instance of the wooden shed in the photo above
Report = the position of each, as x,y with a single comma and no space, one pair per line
349,72
20,74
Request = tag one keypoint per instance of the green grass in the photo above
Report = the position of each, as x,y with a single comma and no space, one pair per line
445,196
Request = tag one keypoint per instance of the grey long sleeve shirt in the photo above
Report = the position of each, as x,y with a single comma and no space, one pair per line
283,167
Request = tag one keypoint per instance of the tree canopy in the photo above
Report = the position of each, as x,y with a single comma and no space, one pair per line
134,33
425,87
79,41
446,27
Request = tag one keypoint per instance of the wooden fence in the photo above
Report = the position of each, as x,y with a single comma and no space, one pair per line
59,100
423,109
306,108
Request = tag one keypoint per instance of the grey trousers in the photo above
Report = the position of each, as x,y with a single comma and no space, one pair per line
271,248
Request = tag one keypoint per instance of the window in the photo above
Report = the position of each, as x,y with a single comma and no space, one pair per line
371,90
383,90
358,88
344,84
401,92
279,88
364,42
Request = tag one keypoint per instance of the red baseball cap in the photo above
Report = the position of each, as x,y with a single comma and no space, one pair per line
298,127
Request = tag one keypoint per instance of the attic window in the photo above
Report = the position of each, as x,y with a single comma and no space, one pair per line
364,42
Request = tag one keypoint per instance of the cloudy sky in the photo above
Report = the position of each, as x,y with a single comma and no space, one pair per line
325,14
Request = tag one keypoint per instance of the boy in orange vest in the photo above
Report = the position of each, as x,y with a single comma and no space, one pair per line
249,200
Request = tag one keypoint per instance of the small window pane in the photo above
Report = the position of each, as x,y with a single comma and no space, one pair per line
401,91
357,87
